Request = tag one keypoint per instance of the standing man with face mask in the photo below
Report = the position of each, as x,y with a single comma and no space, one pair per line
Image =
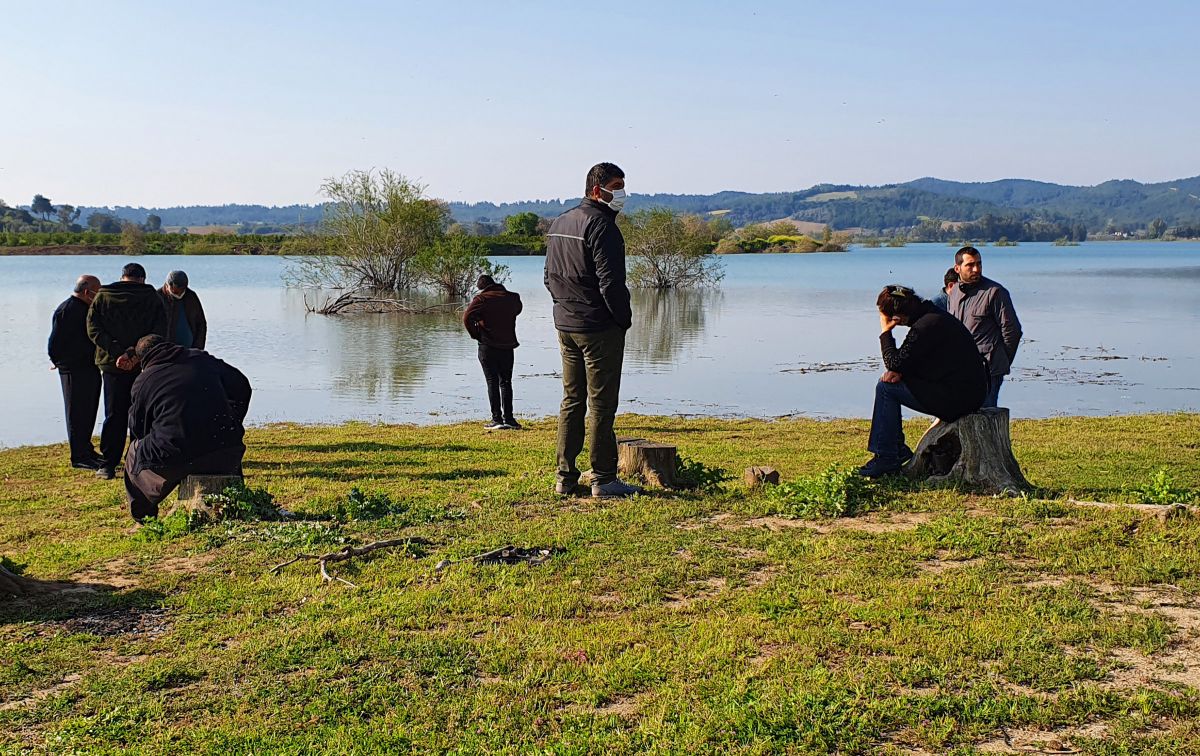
986,309
74,356
585,275
186,325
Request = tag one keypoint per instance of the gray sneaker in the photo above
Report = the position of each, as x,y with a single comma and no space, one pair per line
562,488
614,489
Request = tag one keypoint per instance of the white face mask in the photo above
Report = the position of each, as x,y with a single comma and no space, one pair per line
618,198
179,295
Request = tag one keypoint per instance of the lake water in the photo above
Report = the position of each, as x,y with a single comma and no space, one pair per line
1109,328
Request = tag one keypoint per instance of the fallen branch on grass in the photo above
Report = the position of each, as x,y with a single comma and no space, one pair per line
345,553
504,555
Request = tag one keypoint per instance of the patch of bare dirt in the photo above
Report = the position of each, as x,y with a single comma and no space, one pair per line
146,623
1026,740
41,694
703,522
706,589
939,565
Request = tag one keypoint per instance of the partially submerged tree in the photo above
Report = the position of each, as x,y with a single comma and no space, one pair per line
382,240
667,250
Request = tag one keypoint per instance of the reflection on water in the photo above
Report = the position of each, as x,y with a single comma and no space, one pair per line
665,322
785,334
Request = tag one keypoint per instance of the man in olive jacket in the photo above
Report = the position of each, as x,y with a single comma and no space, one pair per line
585,275
122,313
986,309
186,325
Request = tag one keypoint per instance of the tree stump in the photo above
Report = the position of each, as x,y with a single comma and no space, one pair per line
194,488
653,463
975,450
760,476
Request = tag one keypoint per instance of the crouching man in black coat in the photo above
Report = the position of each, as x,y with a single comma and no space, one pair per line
937,371
186,417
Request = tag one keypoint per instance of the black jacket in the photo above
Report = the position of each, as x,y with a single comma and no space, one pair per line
69,346
939,363
491,318
186,403
585,270
122,313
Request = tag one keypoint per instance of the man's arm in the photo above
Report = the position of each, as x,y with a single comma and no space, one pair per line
138,422
471,318
900,360
1010,326
200,329
237,389
160,324
608,252
54,346
97,330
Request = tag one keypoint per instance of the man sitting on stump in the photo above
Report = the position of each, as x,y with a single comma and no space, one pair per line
186,418
937,371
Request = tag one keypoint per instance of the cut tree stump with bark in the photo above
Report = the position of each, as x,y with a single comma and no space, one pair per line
760,476
194,488
653,463
975,450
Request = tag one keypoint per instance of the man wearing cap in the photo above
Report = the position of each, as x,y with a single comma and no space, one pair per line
74,356
186,325
121,313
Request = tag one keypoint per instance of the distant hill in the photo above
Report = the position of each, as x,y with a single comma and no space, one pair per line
1124,205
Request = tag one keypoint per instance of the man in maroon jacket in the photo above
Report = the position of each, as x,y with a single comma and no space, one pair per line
491,319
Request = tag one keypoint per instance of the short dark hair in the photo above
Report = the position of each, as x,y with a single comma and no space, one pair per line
485,281
133,270
898,300
958,256
600,175
950,277
146,343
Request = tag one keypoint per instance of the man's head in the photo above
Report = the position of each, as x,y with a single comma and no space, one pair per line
177,282
899,302
968,265
484,282
146,343
133,272
949,280
606,184
86,288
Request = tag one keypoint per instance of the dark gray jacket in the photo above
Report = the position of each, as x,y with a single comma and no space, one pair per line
585,270
986,309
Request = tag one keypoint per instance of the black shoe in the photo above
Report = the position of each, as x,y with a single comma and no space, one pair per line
906,455
105,473
495,425
877,468
512,425
88,464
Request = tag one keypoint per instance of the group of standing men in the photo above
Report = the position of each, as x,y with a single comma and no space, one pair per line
142,348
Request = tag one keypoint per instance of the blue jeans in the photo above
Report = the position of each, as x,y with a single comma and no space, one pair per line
993,394
887,429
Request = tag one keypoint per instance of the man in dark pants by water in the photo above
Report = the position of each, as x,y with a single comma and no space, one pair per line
585,275
121,313
74,356
186,418
937,371
986,309
491,319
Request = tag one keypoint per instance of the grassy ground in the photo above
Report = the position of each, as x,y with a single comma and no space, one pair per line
693,622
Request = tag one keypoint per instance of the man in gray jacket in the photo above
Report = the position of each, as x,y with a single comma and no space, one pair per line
986,309
585,275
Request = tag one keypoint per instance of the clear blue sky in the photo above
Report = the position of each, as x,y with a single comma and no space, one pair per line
167,103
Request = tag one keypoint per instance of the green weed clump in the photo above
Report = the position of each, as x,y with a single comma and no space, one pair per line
1161,489
240,502
833,493
697,476
367,506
